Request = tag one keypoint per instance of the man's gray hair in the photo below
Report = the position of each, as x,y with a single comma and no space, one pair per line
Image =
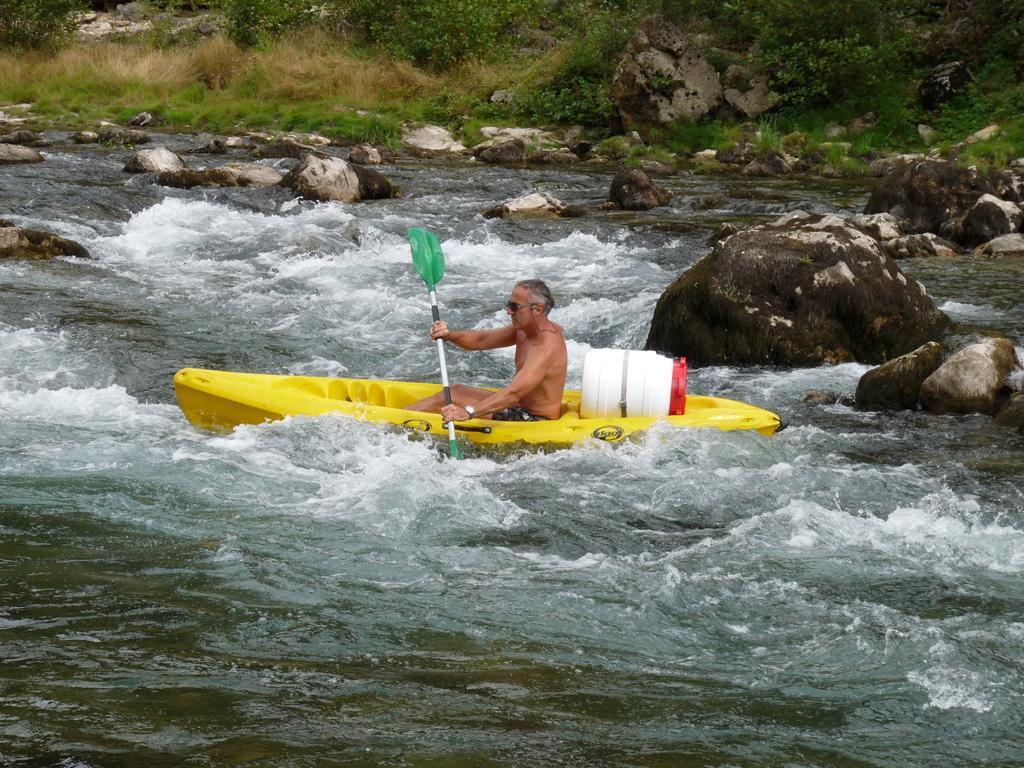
539,292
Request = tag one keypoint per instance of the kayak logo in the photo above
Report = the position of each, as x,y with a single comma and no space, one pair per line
418,424
609,433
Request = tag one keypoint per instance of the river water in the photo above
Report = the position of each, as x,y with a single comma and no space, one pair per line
327,592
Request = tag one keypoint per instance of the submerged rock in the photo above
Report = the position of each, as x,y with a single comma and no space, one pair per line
633,190
896,384
154,160
331,178
974,380
229,175
805,290
15,154
20,243
536,205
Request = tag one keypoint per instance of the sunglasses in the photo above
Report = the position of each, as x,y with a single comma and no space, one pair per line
511,306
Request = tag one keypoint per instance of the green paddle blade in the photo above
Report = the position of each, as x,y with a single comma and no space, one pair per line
427,256
453,448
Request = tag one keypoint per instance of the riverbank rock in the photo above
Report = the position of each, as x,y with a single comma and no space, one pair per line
563,156
155,160
920,247
1007,246
536,205
15,154
124,137
896,385
633,190
430,141
973,380
943,83
509,151
364,154
663,78
24,137
331,178
282,149
34,245
228,175
805,290
85,137
933,196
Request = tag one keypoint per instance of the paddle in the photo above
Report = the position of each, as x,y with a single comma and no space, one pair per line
428,259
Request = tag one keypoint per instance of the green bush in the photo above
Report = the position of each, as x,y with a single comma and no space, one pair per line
440,33
251,22
36,23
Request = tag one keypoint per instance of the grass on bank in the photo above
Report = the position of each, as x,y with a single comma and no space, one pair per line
315,81
311,83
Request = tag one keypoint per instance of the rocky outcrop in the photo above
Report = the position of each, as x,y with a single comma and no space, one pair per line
20,243
15,154
754,101
920,247
155,160
1007,246
278,149
229,175
664,78
430,141
943,83
507,152
804,290
536,205
331,178
85,137
974,380
633,190
933,196
896,384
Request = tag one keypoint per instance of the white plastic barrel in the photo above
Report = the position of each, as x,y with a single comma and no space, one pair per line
620,382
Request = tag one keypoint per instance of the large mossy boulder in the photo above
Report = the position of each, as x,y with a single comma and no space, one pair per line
896,384
974,380
34,245
805,290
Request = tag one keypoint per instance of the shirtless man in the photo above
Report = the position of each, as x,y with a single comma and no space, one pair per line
535,391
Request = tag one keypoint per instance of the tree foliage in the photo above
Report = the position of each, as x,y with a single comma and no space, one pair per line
36,23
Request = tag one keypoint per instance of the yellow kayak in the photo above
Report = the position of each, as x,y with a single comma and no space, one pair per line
222,400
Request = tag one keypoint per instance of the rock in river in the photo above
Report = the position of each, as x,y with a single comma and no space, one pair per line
805,290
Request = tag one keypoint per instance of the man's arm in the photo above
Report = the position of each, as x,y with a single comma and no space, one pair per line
475,340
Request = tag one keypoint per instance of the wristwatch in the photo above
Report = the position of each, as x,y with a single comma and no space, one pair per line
470,410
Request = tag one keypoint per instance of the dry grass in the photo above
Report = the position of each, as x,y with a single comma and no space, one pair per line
317,66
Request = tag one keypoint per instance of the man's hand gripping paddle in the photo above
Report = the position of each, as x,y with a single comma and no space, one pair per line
428,259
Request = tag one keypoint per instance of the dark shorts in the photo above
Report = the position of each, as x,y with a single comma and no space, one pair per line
516,413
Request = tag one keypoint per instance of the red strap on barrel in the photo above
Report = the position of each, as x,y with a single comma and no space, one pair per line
677,399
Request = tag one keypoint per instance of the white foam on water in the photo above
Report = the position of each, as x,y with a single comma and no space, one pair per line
963,312
31,359
954,688
107,408
943,534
